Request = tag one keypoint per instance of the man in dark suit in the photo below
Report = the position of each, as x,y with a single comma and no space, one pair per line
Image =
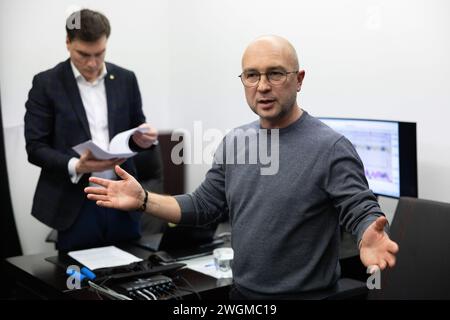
80,99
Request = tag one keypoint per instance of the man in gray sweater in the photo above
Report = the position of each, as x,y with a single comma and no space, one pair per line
285,220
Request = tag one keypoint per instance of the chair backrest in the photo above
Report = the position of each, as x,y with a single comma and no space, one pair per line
422,230
174,174
156,170
149,168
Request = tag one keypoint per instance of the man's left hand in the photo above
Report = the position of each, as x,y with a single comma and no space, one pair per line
145,139
376,249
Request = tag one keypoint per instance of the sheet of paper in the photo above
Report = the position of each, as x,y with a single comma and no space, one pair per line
118,147
104,257
119,144
206,266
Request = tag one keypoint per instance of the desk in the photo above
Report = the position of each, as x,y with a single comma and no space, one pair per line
36,278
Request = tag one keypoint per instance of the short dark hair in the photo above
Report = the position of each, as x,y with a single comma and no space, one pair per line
87,25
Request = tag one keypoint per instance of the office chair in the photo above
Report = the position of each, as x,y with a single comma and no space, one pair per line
421,229
157,173
150,172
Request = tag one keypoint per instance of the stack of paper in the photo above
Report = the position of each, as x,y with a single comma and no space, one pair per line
118,147
104,257
206,266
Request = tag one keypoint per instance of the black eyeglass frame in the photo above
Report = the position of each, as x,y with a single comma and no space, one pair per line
267,74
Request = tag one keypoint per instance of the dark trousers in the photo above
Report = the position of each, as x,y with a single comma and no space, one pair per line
240,293
96,226
235,294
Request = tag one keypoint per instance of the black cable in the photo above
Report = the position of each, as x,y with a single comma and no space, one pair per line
190,285
171,294
176,288
104,281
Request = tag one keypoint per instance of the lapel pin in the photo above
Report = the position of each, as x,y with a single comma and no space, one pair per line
111,76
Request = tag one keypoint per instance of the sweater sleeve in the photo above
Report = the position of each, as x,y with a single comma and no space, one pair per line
349,191
208,202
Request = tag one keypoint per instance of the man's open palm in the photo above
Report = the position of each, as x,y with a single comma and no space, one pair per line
126,194
376,249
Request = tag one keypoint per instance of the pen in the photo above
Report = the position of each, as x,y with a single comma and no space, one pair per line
88,273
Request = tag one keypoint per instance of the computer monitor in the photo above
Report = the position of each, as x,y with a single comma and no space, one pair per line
388,150
181,241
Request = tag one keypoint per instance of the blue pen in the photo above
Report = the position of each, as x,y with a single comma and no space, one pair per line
88,273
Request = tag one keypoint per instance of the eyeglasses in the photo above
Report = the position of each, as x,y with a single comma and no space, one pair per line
275,77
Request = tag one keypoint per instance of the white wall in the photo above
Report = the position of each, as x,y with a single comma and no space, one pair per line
32,39
368,58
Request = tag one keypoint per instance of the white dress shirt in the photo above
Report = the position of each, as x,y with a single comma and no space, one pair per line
93,96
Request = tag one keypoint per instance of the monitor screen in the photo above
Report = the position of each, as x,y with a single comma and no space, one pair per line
387,150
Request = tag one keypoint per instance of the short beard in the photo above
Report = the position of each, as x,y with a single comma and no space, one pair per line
285,110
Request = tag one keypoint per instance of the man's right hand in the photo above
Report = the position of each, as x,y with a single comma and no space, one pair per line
88,163
126,194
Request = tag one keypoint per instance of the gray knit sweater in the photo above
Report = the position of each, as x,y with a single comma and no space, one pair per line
285,226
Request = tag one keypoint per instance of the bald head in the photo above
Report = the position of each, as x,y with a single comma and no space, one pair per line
273,46
273,97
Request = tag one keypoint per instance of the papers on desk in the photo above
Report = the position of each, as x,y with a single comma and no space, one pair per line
206,266
104,257
118,147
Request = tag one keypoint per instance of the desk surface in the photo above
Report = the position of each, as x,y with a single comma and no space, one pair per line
37,278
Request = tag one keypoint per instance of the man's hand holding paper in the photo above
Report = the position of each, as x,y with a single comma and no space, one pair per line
145,138
88,163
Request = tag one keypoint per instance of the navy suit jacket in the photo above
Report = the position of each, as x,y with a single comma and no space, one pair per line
55,121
